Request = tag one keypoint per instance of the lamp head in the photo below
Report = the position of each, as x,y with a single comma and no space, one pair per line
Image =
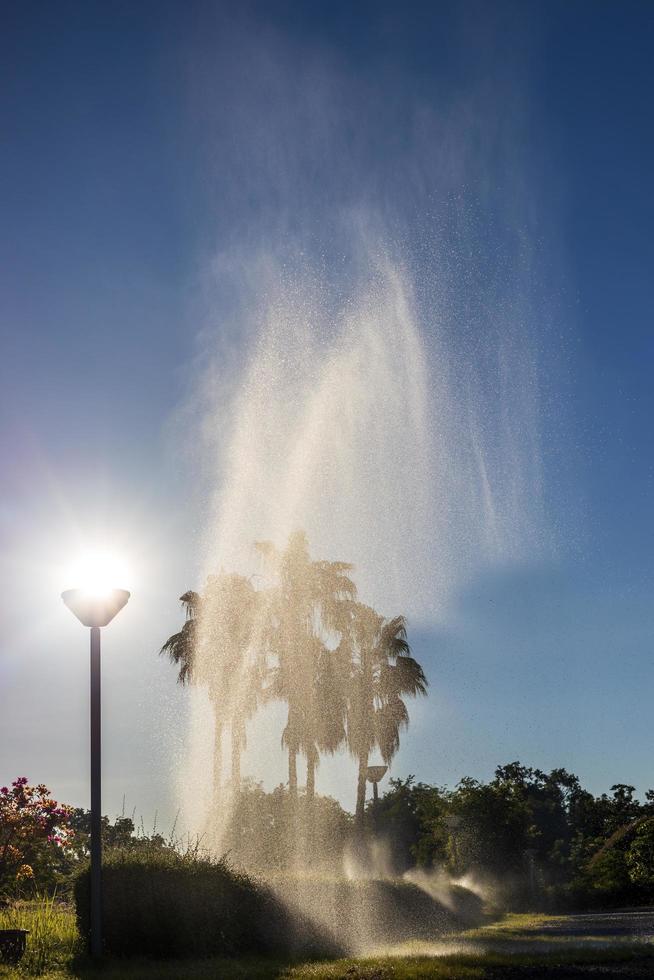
95,608
375,773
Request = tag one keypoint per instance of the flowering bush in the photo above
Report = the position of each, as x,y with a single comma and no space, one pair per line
34,830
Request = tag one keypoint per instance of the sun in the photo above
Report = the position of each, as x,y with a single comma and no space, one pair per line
98,572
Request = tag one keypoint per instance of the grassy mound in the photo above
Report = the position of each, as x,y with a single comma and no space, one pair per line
164,905
361,915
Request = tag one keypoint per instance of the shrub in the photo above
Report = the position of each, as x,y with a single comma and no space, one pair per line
34,829
165,905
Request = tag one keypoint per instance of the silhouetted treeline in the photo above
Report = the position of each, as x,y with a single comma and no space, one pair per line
526,836
524,839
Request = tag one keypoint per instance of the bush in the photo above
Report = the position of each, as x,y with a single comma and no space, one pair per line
34,830
163,904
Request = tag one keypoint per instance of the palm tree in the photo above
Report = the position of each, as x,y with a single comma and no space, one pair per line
304,611
217,647
383,672
230,631
180,647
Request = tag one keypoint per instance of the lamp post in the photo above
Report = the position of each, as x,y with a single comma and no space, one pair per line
95,611
373,775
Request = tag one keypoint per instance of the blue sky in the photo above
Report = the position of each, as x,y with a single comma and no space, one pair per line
152,152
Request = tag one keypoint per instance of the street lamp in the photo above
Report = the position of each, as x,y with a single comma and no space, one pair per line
95,610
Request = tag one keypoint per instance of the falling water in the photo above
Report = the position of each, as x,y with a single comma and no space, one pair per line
361,417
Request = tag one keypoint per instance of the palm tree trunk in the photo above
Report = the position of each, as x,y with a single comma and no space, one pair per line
291,742
292,772
217,761
361,791
237,741
312,762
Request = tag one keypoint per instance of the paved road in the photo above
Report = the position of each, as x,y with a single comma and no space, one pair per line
637,924
597,933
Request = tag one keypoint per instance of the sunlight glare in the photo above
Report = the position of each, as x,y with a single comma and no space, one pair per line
98,572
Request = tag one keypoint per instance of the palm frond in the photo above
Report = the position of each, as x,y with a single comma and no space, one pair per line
404,677
180,648
390,719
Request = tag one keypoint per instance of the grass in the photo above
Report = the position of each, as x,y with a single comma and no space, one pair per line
54,953
481,966
53,939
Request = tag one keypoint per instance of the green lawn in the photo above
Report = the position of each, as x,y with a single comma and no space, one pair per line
494,952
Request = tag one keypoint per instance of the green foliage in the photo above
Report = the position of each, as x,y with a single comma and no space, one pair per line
163,904
606,879
529,837
411,818
53,938
640,855
122,834
621,869
264,829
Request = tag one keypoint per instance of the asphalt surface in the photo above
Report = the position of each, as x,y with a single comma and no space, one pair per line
629,929
626,923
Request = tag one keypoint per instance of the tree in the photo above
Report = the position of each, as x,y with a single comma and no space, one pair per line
305,608
217,647
382,673
230,642
412,819
494,829
181,646
119,835
550,800
263,829
640,855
